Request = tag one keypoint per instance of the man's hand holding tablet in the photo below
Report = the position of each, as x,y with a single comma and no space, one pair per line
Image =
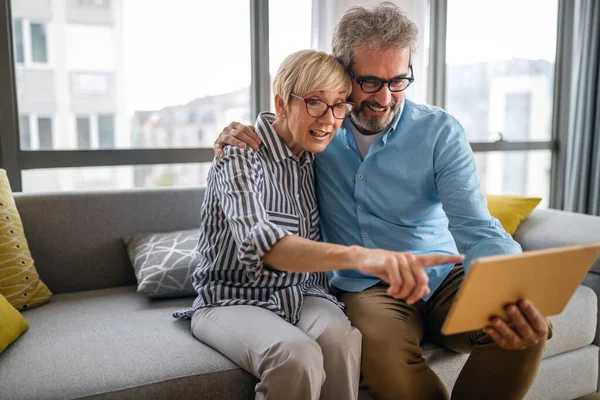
525,328
510,296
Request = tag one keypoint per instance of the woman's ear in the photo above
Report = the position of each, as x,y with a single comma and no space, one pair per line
280,107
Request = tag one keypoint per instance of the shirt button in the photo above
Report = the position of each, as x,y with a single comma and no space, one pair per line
348,147
297,196
360,206
359,176
365,234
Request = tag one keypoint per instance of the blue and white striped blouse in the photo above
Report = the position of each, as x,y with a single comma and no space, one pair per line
253,199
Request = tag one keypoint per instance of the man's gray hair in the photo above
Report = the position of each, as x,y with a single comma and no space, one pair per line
383,26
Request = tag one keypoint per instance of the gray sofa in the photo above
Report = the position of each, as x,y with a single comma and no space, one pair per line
98,338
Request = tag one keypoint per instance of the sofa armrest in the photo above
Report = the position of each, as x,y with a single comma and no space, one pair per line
592,280
545,228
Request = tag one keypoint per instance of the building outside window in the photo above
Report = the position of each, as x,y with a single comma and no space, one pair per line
84,138
36,132
24,132
126,91
106,131
18,38
95,131
30,42
39,51
500,87
44,128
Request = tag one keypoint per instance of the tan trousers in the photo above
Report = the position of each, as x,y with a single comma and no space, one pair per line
393,366
318,358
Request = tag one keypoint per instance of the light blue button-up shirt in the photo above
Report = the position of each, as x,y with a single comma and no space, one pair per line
416,190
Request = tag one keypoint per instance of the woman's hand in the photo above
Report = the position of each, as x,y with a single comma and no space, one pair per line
238,135
403,271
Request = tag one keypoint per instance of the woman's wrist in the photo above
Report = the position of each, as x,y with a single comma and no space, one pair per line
356,255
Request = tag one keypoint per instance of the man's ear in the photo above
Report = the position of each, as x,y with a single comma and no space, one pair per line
280,107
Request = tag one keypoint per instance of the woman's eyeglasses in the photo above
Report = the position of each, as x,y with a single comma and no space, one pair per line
317,108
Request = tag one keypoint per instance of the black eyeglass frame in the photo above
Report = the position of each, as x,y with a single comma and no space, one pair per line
382,82
307,99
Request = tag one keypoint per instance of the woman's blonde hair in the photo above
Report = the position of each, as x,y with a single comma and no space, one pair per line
306,71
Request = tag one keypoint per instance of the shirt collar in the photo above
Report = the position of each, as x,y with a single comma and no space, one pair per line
395,121
273,144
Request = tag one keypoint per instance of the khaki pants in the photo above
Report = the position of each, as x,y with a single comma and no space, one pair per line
319,358
393,366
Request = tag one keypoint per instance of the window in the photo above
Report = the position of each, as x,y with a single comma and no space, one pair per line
44,126
106,131
94,3
18,38
141,87
297,25
91,83
24,132
524,173
286,37
500,85
35,132
30,42
84,137
39,52
95,131
128,82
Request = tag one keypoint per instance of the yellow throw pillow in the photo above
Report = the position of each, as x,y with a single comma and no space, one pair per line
511,210
19,280
12,324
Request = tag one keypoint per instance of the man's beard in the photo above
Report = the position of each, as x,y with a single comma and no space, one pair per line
374,124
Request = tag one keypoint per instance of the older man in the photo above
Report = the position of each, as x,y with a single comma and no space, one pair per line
401,176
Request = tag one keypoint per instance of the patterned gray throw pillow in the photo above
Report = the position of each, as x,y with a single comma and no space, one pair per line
164,262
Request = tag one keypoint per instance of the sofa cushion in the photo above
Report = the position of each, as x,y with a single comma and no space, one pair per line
139,351
511,210
575,327
545,228
164,262
19,279
117,344
95,223
12,324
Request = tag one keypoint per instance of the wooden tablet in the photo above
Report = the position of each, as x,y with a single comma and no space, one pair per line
548,278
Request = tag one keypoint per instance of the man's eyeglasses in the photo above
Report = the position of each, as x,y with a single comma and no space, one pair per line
374,85
317,108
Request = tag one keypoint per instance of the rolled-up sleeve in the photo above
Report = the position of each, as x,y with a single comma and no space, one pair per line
475,231
238,181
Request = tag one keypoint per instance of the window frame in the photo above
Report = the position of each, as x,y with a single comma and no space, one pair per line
436,94
15,160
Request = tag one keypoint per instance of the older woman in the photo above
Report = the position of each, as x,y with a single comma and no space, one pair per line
263,298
